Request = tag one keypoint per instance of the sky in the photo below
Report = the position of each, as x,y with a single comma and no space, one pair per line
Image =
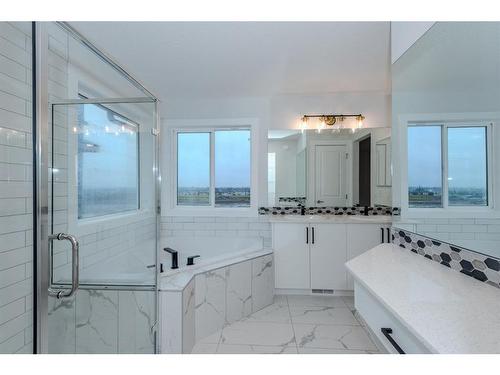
232,159
466,157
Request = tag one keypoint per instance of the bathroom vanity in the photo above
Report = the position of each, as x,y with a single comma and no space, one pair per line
310,251
414,305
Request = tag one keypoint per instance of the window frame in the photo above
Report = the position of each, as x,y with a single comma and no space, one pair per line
210,126
445,122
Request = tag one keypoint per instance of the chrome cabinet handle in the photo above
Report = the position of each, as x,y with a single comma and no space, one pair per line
320,201
75,254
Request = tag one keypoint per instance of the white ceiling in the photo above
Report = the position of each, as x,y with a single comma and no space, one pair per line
232,59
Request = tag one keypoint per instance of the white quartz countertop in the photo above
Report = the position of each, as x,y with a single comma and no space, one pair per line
332,219
447,311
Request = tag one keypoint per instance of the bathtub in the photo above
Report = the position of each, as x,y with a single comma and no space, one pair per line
233,278
210,249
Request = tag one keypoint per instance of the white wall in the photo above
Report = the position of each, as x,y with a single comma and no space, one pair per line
16,204
404,34
286,166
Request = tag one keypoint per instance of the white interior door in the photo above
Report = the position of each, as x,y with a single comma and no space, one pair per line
331,176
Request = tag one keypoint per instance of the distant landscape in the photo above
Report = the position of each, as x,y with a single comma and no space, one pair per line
420,196
94,202
227,197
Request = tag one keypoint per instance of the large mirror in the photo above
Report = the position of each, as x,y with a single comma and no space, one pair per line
331,167
446,114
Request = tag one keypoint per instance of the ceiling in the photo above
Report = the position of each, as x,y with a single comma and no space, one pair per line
242,59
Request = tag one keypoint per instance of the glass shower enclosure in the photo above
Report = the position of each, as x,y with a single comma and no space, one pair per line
98,203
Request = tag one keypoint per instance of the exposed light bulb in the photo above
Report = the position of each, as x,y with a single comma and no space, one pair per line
303,125
360,121
322,124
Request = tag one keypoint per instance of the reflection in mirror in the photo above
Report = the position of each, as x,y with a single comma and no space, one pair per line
337,168
446,107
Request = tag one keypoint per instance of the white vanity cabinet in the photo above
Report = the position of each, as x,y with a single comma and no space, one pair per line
363,237
311,255
328,254
291,256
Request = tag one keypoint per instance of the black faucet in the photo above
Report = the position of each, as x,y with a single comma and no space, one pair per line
190,260
302,209
175,261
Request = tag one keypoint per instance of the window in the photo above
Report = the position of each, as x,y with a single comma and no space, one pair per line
467,168
214,168
424,166
193,169
447,166
108,162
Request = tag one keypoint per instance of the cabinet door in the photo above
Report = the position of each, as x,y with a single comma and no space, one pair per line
328,255
291,256
361,238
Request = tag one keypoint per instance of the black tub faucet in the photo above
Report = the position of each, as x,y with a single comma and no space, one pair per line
190,260
175,259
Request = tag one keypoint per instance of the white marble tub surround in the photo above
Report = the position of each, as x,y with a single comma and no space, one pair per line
197,302
448,312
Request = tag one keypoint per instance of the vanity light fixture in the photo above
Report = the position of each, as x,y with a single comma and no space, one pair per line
331,120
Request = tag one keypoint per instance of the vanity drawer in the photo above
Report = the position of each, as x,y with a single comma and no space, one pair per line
377,317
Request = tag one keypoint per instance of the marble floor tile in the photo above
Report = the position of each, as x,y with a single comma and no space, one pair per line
349,301
212,339
322,315
256,349
334,351
277,312
258,333
332,337
204,348
330,301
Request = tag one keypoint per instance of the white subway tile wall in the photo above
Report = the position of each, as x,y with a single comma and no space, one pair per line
16,204
190,226
460,229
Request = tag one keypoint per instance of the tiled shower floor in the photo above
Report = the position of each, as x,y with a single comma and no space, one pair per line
295,324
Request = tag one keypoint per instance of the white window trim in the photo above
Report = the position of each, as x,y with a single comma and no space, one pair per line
488,119
169,142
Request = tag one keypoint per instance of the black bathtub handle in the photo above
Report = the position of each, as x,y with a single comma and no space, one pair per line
387,333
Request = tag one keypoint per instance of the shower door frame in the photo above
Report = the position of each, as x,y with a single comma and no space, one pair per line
41,179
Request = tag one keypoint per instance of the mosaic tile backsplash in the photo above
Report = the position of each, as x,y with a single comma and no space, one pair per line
481,267
328,211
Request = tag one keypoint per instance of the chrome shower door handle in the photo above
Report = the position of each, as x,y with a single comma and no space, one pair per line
75,276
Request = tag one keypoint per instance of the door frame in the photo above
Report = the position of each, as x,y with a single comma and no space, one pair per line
41,122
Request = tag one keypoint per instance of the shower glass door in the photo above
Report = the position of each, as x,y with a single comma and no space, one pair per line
102,226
